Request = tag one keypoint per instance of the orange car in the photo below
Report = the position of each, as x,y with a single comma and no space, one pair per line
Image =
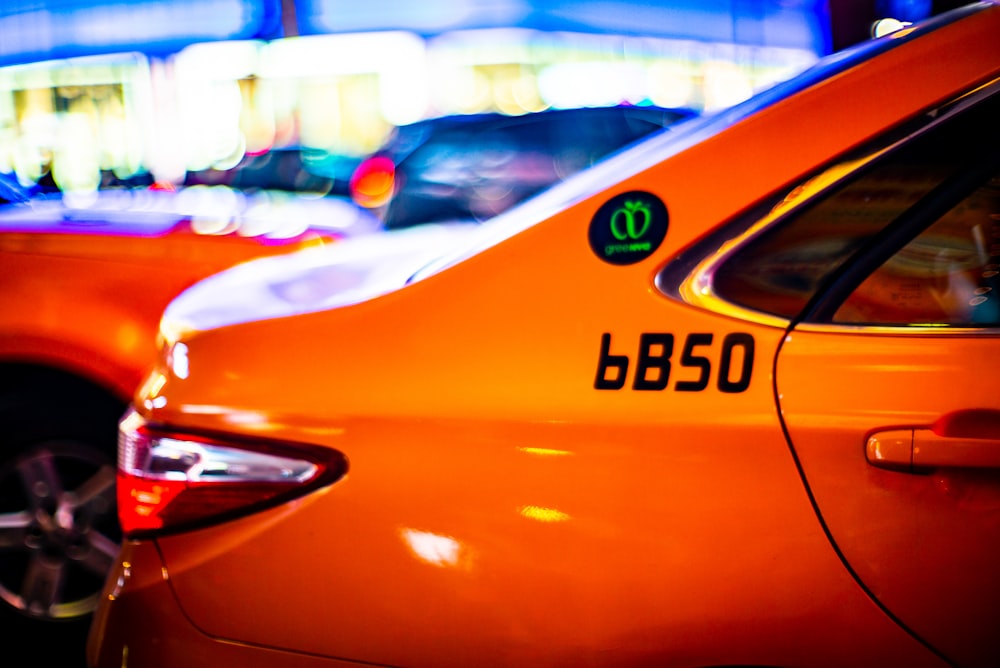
82,286
728,398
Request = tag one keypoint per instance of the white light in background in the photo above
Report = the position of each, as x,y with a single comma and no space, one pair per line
591,84
351,88
210,102
725,84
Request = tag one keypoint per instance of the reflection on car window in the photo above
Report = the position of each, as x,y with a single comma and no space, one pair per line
946,276
475,167
783,269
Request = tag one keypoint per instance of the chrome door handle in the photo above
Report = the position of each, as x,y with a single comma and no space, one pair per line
963,439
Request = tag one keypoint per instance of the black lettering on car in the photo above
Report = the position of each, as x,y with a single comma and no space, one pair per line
730,343
655,351
654,363
606,361
692,361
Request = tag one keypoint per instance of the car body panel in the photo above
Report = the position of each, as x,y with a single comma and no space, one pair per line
479,547
906,535
140,588
526,483
70,276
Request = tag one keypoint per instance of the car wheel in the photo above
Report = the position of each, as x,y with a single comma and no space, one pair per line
59,532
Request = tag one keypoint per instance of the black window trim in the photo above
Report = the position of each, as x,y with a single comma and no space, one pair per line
923,213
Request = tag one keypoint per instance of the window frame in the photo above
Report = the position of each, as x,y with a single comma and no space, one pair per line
689,276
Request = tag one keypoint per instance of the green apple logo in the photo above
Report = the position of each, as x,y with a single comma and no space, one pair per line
628,228
628,214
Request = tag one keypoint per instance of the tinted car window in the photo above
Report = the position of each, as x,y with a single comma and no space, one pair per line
471,168
781,271
946,276
297,170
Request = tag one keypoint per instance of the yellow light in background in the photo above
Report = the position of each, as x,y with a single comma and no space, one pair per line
505,85
211,103
150,390
364,83
257,119
76,159
670,84
525,92
460,89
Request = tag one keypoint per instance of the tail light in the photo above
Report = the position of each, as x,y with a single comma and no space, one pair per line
373,182
170,481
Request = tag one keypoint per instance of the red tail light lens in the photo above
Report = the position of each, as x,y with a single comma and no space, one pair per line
373,181
170,481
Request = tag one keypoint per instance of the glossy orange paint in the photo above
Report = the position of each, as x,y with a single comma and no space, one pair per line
499,509
943,590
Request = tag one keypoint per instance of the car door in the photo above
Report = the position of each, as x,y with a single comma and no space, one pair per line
888,386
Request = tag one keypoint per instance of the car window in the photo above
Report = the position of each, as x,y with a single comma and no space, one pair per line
474,170
946,276
782,270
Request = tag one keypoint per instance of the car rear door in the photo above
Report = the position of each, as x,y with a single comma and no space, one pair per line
889,391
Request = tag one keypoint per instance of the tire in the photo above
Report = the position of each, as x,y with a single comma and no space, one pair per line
59,533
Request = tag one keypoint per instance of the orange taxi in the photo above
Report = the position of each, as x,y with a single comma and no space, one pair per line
83,282
727,398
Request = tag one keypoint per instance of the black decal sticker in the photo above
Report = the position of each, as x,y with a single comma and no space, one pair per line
692,361
653,363
608,361
746,342
629,227
654,354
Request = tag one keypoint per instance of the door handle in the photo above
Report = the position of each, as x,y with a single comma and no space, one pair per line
962,439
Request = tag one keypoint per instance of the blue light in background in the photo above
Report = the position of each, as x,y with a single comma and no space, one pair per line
798,24
904,10
31,30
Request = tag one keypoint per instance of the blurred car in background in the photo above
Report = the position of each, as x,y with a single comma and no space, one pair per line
727,398
298,169
85,278
83,282
471,168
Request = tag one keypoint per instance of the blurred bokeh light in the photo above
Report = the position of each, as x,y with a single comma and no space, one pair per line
148,92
